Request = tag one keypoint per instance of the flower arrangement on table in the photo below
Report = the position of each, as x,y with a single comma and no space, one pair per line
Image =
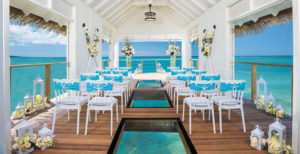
271,109
25,143
92,46
207,40
261,102
173,51
128,51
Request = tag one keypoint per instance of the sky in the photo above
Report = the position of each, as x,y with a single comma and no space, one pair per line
30,41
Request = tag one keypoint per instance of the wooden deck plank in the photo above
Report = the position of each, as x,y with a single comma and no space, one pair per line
232,140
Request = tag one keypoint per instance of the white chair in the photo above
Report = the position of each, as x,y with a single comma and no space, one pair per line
183,91
83,78
118,88
199,103
99,103
67,95
232,98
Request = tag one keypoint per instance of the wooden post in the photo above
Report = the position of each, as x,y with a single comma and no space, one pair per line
292,102
253,81
156,65
192,62
142,66
102,64
197,64
108,62
47,81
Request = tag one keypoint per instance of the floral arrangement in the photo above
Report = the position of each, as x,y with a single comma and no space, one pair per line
271,109
18,114
29,108
207,40
173,51
92,46
39,102
25,143
261,102
280,113
274,145
44,142
255,141
128,51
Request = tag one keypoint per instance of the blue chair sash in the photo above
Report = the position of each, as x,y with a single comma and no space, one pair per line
209,78
101,86
67,86
124,73
88,77
225,87
114,78
203,86
175,72
103,72
188,69
198,72
186,78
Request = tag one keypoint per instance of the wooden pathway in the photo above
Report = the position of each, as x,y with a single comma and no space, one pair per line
98,140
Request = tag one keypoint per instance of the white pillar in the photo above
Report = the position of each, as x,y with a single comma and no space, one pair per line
296,83
5,141
111,52
99,57
116,53
186,52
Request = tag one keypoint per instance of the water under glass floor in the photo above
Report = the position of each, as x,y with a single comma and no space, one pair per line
149,99
149,84
155,135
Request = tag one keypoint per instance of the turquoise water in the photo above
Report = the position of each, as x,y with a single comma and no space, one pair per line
151,142
278,78
149,84
149,103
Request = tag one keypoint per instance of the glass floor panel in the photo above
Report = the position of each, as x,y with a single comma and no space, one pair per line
149,99
149,84
145,136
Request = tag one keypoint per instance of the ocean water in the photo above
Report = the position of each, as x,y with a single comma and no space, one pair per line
278,78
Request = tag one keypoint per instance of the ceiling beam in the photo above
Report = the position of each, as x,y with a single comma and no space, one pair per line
109,7
117,8
199,4
125,16
190,6
100,4
155,3
118,14
174,18
88,2
180,12
212,2
183,9
177,15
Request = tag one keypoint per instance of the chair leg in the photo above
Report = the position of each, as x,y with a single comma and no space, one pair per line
177,104
190,120
243,119
68,114
229,114
213,118
203,115
117,111
95,116
54,119
78,120
209,112
183,107
87,120
111,121
122,103
220,119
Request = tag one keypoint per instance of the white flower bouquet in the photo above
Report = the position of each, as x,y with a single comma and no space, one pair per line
92,46
173,49
207,40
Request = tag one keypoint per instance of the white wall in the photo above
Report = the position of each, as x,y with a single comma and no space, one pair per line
222,50
78,52
5,139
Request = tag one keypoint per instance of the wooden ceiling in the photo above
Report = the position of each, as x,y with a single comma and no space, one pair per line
117,11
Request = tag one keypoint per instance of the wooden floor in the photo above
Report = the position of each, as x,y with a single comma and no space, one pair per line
98,140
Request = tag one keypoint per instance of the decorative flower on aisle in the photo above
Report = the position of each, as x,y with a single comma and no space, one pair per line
207,40
173,49
92,46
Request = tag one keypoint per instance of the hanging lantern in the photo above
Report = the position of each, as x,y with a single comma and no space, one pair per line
270,105
24,140
19,112
44,139
280,111
277,137
256,138
39,100
261,97
28,104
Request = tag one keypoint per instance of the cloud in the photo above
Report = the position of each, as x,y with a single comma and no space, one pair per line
27,35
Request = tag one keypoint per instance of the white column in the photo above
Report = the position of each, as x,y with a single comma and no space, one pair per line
111,52
99,58
116,53
296,83
5,141
186,52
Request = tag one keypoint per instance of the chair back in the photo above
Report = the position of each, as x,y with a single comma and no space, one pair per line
98,86
89,76
122,72
189,69
237,87
169,69
176,72
198,72
103,72
113,77
190,77
126,68
203,86
210,77
62,86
